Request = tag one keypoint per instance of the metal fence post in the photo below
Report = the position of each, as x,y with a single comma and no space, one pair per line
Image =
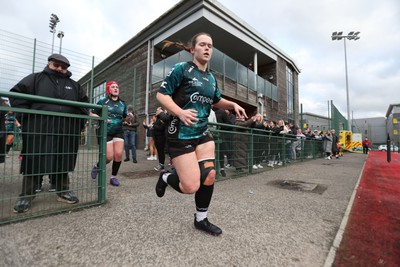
102,155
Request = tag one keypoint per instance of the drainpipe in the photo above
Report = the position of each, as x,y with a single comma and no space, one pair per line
148,67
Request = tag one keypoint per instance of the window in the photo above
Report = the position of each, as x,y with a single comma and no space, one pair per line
290,93
99,92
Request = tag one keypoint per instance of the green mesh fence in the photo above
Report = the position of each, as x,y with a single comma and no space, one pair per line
20,56
56,162
242,151
239,151
338,121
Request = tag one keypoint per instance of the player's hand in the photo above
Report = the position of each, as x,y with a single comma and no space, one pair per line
188,117
240,112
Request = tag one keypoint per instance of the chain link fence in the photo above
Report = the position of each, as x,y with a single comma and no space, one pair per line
20,56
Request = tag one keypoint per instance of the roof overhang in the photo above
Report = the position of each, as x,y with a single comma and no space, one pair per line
230,34
389,111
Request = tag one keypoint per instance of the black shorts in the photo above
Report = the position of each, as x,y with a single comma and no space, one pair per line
177,147
110,137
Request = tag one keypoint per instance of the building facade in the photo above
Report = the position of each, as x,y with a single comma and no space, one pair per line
250,70
316,122
393,123
372,128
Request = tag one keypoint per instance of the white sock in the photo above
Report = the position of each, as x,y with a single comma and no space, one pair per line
165,177
201,215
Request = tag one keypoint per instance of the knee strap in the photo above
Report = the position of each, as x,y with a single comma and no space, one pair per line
207,172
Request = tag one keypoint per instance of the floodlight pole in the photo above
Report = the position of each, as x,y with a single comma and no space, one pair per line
347,87
53,24
60,35
351,36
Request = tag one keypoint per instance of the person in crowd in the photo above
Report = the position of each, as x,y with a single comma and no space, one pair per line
231,116
340,149
301,137
117,112
150,135
291,141
228,140
259,142
224,149
335,141
267,142
273,132
187,93
282,142
242,142
129,125
327,138
307,144
316,135
160,136
319,145
366,144
49,143
10,122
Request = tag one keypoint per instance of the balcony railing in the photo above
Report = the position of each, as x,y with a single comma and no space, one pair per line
223,65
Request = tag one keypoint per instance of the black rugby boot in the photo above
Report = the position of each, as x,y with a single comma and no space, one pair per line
207,227
161,186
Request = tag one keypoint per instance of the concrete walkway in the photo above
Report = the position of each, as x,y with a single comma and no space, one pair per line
263,222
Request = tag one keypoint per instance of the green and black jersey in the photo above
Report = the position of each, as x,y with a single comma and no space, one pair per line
117,111
190,88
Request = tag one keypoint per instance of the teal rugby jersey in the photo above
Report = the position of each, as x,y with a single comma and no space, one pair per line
190,88
117,111
11,120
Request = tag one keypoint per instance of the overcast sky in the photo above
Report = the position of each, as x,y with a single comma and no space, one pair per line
302,29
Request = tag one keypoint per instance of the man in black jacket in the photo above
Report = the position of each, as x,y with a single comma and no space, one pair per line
50,143
129,126
335,141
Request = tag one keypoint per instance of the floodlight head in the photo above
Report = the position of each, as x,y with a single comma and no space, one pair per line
353,36
54,17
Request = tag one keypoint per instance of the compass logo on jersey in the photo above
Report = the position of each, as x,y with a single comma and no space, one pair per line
196,97
172,126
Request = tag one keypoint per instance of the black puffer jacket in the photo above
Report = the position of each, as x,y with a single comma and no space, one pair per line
50,83
49,143
161,124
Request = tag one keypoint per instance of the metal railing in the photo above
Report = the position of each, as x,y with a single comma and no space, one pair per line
44,128
244,150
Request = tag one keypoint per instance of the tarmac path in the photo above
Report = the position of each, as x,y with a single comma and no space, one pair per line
263,223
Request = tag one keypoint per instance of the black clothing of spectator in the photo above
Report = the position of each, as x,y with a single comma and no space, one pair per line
49,143
226,138
160,136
